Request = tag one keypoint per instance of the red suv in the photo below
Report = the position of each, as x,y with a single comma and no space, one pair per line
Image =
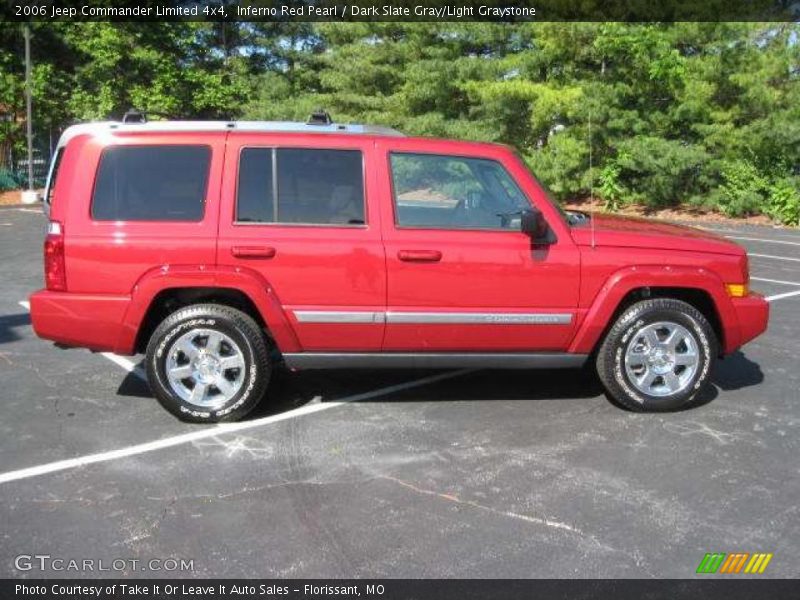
223,249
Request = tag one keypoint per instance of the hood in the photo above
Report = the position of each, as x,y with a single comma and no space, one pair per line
634,232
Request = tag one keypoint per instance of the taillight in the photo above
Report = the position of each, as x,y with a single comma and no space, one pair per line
55,275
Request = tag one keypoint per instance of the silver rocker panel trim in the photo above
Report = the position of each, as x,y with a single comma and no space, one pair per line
433,360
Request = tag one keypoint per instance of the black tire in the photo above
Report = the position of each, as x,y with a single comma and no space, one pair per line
611,366
252,377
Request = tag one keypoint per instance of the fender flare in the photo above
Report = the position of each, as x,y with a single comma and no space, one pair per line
249,282
623,281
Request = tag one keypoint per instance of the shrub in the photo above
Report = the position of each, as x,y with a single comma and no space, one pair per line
610,190
784,201
743,189
8,181
561,165
658,172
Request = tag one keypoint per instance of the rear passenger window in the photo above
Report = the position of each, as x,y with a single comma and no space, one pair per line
151,183
300,186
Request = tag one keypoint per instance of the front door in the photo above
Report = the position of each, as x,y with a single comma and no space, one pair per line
299,210
461,275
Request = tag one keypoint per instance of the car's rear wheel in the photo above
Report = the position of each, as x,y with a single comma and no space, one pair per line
657,356
208,363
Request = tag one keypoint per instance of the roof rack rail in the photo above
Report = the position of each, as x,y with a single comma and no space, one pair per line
140,126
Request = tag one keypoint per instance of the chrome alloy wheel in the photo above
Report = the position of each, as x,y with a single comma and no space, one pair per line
205,367
662,358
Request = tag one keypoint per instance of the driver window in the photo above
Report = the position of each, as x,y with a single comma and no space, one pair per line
454,192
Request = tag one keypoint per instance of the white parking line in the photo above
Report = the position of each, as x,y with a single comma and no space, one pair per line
736,231
25,304
210,432
781,281
752,239
784,295
774,257
128,365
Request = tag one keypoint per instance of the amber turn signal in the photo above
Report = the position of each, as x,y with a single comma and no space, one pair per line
737,290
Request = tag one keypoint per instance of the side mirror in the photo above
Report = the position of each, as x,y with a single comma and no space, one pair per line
532,222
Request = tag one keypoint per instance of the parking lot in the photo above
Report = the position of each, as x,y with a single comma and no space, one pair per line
465,474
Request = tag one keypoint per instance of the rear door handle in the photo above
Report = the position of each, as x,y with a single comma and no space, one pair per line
419,255
253,251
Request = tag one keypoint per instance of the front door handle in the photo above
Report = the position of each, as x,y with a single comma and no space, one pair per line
419,255
253,251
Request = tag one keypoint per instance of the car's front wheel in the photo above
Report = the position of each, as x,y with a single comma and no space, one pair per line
208,363
657,356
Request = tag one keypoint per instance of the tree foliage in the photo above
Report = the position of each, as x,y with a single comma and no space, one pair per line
701,113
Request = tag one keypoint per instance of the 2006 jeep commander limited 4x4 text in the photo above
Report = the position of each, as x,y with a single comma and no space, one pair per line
224,249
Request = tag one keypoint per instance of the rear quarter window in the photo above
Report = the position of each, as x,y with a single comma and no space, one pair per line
151,183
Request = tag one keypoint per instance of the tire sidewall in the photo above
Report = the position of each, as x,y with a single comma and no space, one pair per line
163,339
647,315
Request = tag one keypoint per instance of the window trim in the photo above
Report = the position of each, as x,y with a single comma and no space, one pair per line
395,216
274,148
52,175
203,201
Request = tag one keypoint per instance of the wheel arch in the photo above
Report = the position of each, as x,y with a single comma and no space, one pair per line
162,291
700,288
169,300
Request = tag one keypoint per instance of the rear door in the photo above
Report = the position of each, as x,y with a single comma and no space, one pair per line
461,274
300,210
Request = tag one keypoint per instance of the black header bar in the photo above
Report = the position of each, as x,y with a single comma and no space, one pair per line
708,588
402,10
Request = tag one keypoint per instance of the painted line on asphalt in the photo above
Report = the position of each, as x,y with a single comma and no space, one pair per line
210,432
781,296
783,232
30,210
121,361
781,281
774,257
128,365
752,239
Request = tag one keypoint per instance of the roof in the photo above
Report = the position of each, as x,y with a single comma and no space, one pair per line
200,126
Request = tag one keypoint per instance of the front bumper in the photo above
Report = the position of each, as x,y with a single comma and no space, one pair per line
752,314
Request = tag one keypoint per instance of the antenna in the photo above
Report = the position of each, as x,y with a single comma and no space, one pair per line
591,176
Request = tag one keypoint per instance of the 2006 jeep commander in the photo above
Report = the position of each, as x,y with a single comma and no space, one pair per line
223,249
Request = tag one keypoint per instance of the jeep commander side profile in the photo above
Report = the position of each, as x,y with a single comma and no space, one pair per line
222,250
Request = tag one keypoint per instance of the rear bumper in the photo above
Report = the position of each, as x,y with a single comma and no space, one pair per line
752,315
91,321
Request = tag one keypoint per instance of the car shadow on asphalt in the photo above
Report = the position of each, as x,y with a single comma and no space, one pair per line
736,372
8,323
289,390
